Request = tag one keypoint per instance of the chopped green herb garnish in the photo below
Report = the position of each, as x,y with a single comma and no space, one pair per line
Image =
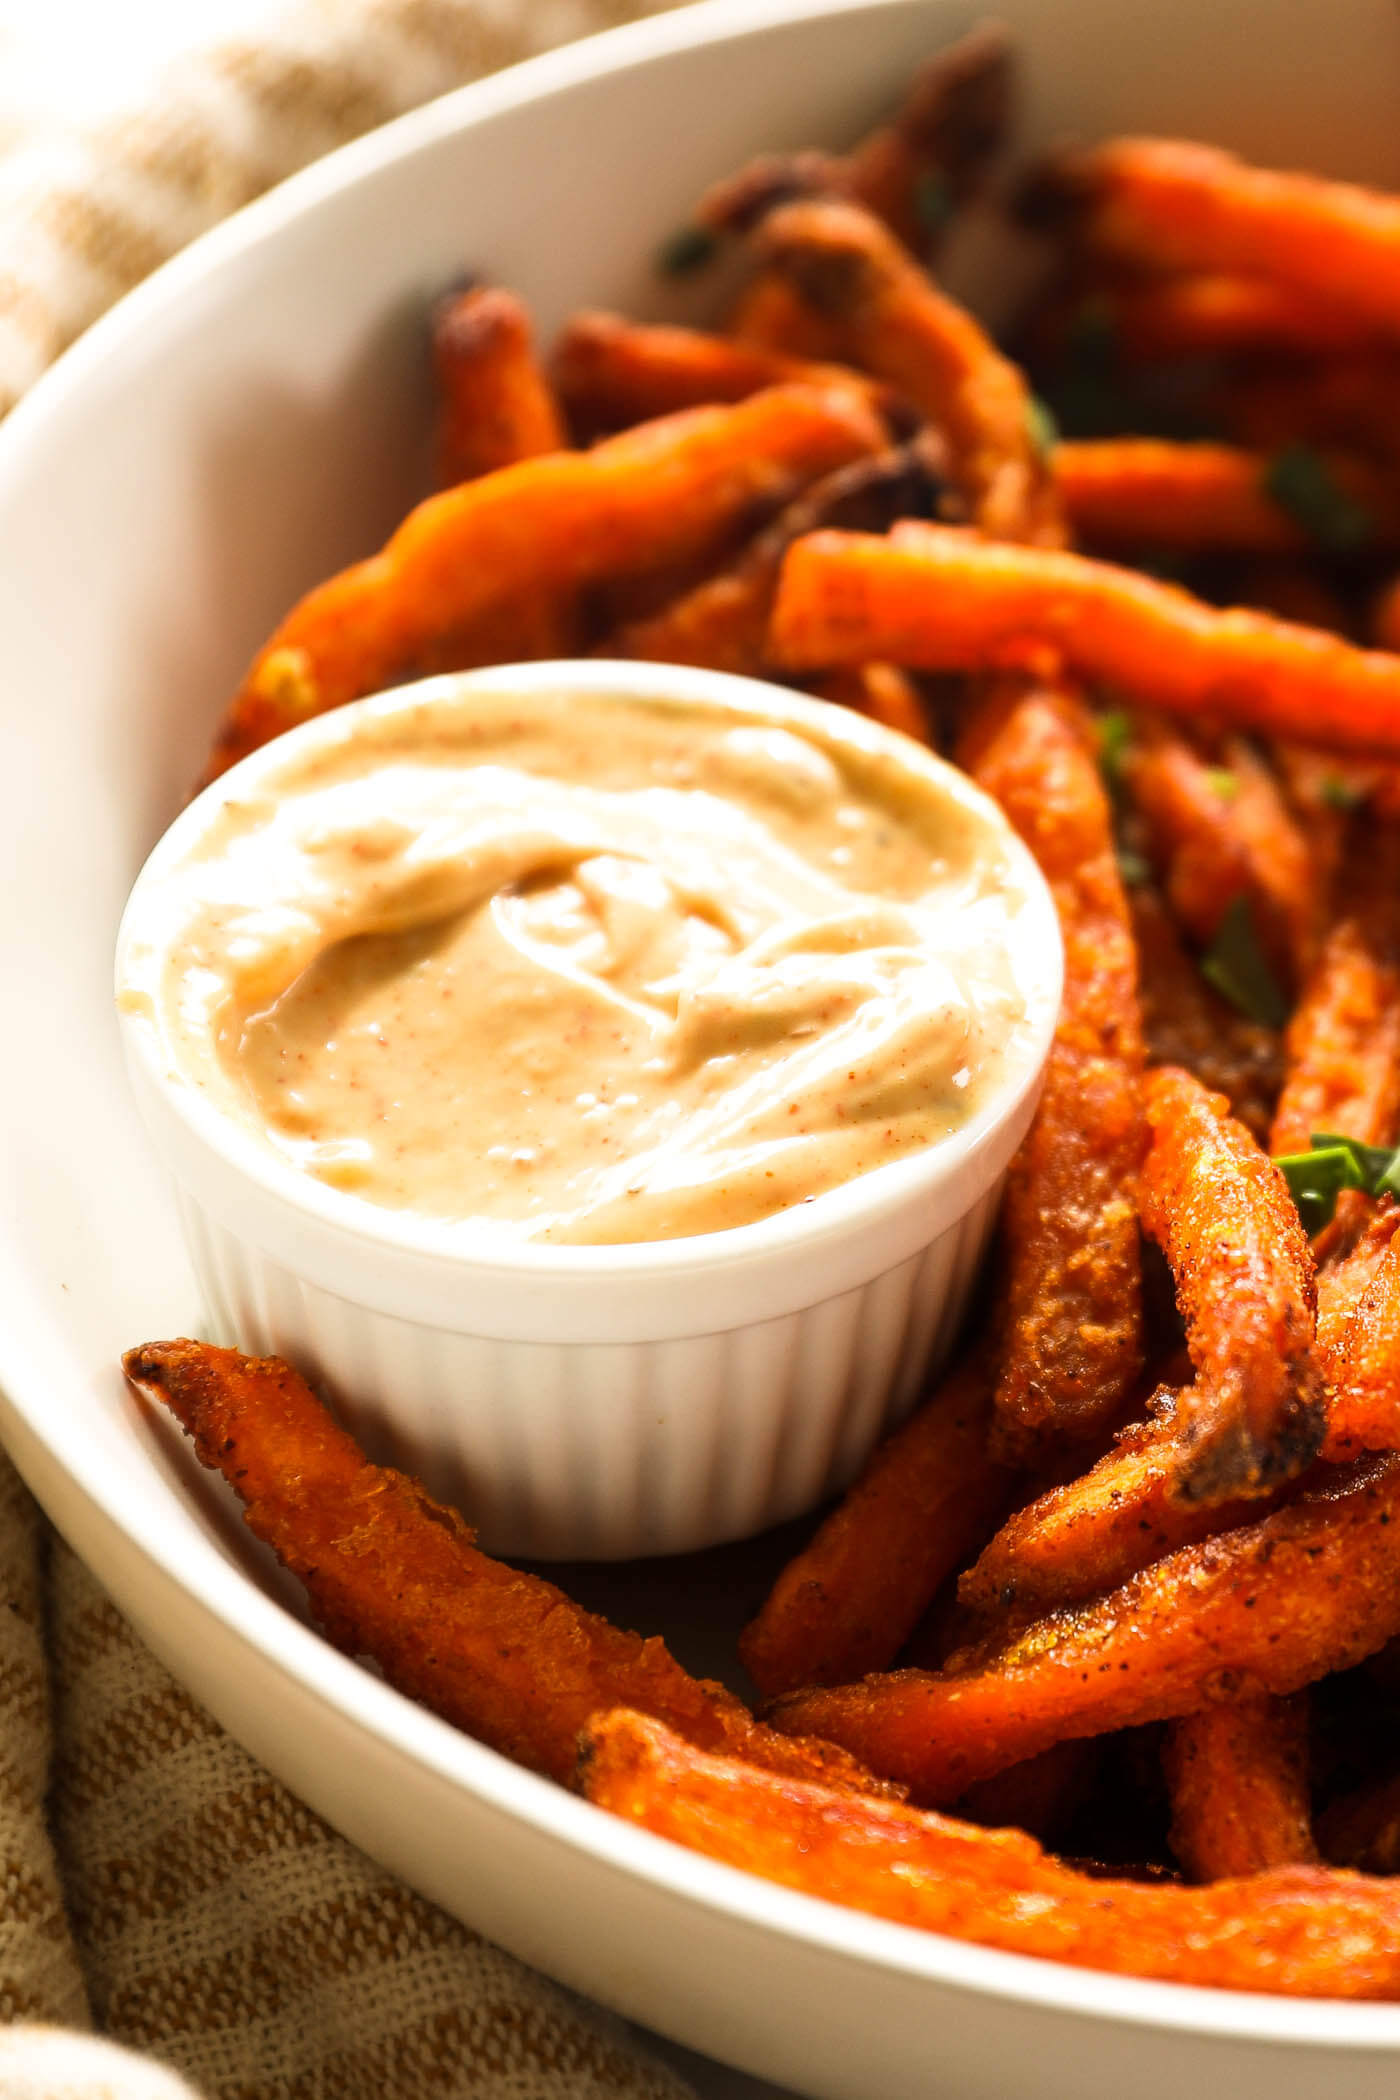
1317,1177
1225,783
1341,794
933,202
687,250
1115,735
1041,428
1377,1165
1238,968
1134,868
1302,484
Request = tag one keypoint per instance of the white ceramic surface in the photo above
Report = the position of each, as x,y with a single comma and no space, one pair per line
246,423
580,1402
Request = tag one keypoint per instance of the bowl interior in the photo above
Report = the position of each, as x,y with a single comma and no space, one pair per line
250,421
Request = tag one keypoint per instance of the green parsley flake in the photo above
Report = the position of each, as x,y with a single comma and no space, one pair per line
1341,794
933,203
1225,783
1239,970
1316,1178
685,251
1041,428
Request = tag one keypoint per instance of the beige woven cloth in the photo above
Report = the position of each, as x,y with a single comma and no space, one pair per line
159,1887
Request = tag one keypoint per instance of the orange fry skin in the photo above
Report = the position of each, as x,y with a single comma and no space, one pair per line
611,373
883,693
1222,834
1245,1284
394,1575
1146,492
890,320
850,1599
1174,204
1238,1780
951,122
1091,1534
1073,1342
1311,1588
937,597
1361,1354
660,494
1208,314
1306,1931
1342,1046
496,406
1187,1023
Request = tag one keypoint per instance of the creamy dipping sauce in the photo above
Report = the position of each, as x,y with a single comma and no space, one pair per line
589,968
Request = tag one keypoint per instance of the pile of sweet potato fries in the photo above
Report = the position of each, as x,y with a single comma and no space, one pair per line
1130,1576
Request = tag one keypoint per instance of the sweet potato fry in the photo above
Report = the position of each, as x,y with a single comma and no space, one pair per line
1222,1214
1238,1779
611,373
770,314
854,1594
1310,1588
1303,1930
394,1575
1222,835
1090,1535
1186,1022
936,597
1342,1047
911,172
882,692
1072,1345
495,404
1173,204
722,622
1211,314
1202,498
1344,401
644,499
890,320
1361,1354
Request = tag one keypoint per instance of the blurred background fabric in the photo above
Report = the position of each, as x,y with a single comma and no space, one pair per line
160,1889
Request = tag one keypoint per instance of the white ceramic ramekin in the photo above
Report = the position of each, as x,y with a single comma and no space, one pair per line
596,1402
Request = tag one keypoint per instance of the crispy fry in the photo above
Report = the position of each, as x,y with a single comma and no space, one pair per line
1091,1534
1174,204
723,621
649,497
1238,1778
1343,1043
1146,492
911,172
1271,1607
854,1594
1041,1796
1360,1347
770,314
1224,833
496,406
890,320
935,597
1073,1345
394,1575
1346,401
611,373
1187,1023
1222,1215
1303,1930
883,692
1210,314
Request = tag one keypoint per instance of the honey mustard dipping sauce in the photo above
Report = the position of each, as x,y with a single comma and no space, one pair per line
583,966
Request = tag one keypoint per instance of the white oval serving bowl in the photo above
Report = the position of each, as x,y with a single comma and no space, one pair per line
247,422
593,1402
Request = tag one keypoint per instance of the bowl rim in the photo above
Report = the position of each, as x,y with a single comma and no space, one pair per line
249,1618
929,1177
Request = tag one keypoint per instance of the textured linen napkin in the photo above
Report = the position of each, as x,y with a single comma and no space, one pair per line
160,1889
